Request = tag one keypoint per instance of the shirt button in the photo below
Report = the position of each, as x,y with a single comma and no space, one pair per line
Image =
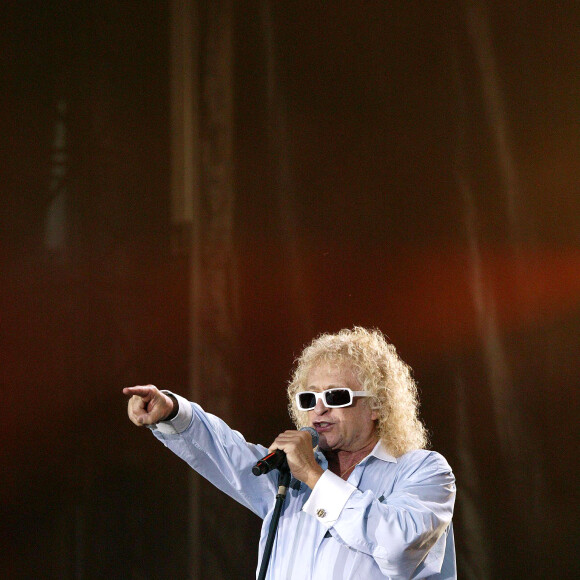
321,513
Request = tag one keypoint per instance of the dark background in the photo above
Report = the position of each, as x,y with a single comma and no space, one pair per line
428,167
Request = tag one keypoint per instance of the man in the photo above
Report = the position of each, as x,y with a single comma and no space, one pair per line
369,503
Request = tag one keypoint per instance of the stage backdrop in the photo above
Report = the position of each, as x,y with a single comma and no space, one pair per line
193,190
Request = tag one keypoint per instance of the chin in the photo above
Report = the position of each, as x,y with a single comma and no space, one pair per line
323,443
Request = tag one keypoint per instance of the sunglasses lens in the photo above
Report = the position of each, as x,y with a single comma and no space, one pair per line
307,400
336,397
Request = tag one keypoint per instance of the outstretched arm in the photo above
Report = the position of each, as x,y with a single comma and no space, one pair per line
148,405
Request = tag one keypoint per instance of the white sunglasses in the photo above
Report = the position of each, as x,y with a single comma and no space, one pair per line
332,398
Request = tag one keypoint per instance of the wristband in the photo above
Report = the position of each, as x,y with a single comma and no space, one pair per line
175,410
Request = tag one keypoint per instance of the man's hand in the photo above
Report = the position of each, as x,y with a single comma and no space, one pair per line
300,456
147,405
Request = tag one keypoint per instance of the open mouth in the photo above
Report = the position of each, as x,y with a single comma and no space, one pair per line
322,426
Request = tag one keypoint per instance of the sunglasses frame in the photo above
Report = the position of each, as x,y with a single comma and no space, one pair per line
322,395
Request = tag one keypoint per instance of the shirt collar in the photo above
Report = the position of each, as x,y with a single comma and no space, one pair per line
380,452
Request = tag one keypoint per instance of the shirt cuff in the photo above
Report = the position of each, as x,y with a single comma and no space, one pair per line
180,422
328,498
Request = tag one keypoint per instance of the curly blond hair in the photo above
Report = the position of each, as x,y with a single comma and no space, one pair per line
380,371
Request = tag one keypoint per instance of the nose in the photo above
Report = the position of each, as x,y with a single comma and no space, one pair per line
320,409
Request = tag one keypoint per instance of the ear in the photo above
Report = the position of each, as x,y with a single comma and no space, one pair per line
374,414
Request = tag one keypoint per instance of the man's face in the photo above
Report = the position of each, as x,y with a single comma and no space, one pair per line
347,428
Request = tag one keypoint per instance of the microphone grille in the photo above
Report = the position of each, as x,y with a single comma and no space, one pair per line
313,434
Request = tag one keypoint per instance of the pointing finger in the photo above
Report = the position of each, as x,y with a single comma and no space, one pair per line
139,391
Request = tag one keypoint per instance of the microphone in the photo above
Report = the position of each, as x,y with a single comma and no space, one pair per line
277,459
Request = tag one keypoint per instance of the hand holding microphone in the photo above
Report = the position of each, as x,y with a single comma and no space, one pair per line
295,449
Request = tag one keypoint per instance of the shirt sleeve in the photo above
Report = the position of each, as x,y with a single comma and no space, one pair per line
328,498
219,454
397,530
180,422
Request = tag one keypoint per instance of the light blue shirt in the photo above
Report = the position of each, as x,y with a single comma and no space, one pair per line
391,519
